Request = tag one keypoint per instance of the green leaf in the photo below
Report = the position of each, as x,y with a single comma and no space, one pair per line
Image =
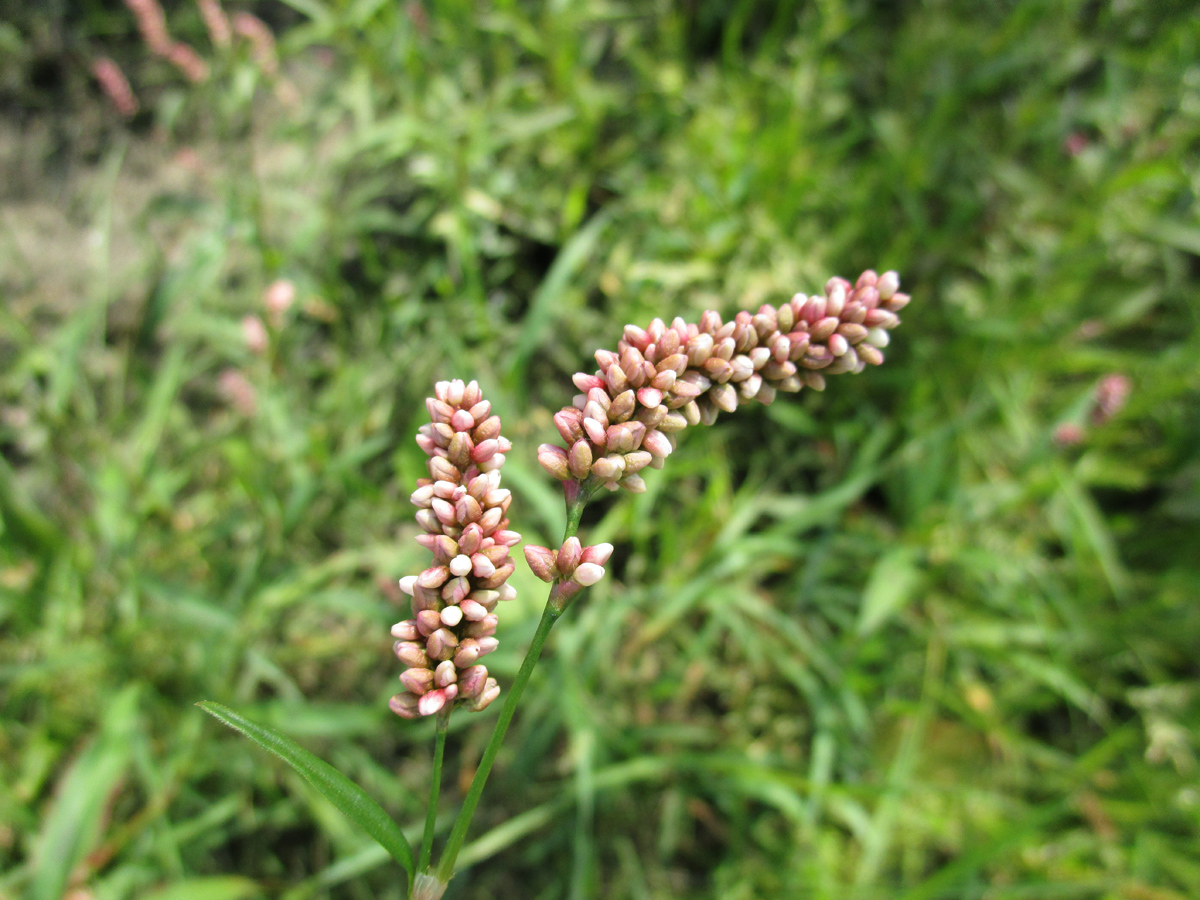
76,818
891,586
220,887
335,787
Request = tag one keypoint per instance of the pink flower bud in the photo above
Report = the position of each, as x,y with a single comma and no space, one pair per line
588,574
445,674
542,561
443,470
579,460
432,702
472,680
485,627
506,537
467,652
417,681
411,653
491,520
500,576
569,423
598,554
609,467
887,285
490,692
500,497
586,382
488,429
472,610
482,566
568,556
637,460
428,621
404,705
634,484
406,630
441,644
554,460
433,577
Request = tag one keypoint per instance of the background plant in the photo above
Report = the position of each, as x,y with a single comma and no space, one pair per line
900,628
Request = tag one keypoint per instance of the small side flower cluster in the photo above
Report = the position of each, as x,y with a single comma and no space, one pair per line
462,509
573,565
664,378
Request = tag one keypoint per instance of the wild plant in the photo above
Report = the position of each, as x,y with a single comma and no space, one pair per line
626,418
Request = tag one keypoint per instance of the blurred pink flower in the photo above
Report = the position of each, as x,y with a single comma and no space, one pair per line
1111,395
216,22
152,24
1068,434
234,387
255,334
189,62
115,85
261,38
278,299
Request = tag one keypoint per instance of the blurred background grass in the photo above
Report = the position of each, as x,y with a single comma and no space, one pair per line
931,634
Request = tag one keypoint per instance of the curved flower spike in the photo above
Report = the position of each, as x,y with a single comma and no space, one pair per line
664,378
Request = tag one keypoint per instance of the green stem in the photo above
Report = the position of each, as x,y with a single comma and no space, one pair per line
439,749
550,615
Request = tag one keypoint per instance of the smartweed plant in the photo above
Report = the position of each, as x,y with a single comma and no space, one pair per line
627,417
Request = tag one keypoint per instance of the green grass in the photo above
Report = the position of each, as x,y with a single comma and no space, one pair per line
889,641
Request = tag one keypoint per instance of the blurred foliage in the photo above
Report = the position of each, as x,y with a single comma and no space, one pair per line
894,640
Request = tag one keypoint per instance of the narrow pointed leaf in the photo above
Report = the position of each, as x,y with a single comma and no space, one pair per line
335,787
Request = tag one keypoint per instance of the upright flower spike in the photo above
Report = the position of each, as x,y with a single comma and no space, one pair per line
462,510
664,378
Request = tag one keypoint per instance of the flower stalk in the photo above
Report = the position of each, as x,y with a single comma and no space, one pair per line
435,783
556,604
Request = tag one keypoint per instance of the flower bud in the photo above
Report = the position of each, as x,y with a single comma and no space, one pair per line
569,423
445,674
471,681
444,470
411,653
417,681
432,702
579,460
622,406
441,644
406,630
485,627
472,610
483,700
568,556
634,484
588,574
598,554
404,705
554,460
541,561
